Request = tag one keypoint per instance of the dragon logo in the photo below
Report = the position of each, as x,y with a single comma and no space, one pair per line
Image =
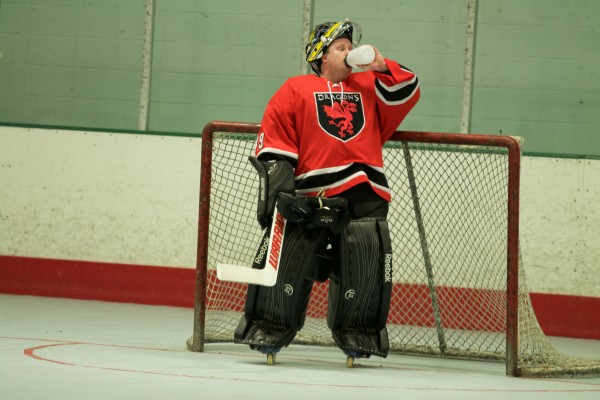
340,115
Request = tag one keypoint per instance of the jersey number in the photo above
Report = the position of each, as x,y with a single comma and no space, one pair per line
261,140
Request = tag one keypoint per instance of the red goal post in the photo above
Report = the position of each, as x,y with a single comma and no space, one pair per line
455,222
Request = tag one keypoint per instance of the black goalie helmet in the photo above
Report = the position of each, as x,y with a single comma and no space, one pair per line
322,36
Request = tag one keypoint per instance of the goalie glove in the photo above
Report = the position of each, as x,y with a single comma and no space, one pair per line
274,177
318,211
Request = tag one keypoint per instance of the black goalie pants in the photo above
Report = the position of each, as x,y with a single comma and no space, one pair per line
358,263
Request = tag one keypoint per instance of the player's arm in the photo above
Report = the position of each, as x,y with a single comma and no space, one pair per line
396,86
277,138
397,93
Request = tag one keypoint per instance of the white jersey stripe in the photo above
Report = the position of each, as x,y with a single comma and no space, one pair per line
273,150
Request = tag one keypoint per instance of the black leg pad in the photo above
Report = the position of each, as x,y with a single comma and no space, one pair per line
360,287
273,315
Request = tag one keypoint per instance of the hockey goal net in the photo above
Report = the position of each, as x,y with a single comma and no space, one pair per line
459,288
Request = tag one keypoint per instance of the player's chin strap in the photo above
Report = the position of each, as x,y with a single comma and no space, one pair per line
319,211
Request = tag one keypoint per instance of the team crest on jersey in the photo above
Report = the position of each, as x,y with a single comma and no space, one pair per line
344,117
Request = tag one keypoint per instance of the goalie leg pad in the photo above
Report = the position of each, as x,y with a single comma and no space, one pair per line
360,287
274,314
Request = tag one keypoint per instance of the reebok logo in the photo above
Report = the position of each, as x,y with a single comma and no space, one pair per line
263,189
388,268
262,251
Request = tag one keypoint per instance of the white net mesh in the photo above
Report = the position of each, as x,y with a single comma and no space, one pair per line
448,222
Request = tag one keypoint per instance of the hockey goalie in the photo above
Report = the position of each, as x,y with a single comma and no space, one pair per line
320,166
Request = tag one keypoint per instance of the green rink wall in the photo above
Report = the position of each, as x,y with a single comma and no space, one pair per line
79,64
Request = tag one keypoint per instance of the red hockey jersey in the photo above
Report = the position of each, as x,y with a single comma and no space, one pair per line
333,133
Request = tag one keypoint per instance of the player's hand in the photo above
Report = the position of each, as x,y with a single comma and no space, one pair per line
378,64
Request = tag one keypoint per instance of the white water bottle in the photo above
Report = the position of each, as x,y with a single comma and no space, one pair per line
360,56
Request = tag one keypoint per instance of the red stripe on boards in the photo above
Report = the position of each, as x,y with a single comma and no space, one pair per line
97,281
558,315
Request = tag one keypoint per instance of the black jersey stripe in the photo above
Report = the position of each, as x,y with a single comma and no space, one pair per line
331,178
398,96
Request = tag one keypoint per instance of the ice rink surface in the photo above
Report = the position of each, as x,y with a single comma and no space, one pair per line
72,349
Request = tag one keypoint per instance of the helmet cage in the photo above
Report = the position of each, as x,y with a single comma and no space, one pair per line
324,34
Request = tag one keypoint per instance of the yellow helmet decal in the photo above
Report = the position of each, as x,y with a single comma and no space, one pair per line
317,49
